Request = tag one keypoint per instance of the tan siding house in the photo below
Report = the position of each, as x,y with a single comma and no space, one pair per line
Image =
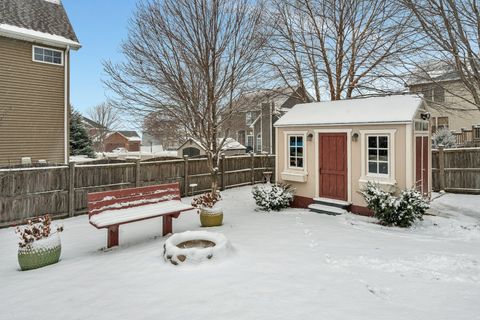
329,151
34,82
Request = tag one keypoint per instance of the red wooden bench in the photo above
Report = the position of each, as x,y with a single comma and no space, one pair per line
110,209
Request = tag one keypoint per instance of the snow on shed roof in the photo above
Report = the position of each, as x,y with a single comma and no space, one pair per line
399,108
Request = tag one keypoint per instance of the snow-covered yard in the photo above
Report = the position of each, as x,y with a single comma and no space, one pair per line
289,265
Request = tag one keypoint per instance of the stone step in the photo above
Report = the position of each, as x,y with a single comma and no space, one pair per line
332,202
320,208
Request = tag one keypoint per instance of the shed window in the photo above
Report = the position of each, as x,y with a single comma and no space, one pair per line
421,125
296,151
378,155
46,55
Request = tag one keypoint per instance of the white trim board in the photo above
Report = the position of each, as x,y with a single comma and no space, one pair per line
390,178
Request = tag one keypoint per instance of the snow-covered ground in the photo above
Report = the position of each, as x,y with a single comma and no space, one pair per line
289,265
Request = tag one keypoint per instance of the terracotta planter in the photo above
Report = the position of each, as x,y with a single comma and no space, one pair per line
39,254
211,217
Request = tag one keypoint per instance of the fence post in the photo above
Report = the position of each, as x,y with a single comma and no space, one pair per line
222,172
441,166
71,189
252,155
185,175
137,173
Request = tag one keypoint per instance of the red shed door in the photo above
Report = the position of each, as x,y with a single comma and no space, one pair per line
421,163
333,165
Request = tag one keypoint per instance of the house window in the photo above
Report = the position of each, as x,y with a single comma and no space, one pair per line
249,141
427,93
439,123
47,55
438,94
296,151
249,118
378,157
258,145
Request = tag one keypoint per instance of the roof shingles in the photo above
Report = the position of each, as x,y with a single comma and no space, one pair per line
38,15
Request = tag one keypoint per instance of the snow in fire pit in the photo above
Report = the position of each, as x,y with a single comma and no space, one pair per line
195,247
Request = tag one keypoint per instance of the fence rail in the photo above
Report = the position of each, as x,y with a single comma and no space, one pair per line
456,170
62,191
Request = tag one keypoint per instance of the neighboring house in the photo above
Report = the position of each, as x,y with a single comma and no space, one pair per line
253,126
95,132
193,148
332,149
444,93
129,140
35,42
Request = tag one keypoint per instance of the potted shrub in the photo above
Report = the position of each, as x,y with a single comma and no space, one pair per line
38,246
211,214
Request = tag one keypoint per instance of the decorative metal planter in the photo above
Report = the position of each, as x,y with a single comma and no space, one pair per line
211,217
40,253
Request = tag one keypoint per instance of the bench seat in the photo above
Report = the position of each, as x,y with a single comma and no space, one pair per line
111,209
125,215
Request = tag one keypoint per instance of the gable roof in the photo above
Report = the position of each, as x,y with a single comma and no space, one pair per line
43,21
230,144
92,124
127,134
278,96
399,108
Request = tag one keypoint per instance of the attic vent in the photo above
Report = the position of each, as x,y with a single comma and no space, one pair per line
54,1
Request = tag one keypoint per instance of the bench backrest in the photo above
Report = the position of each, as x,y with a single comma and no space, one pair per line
131,197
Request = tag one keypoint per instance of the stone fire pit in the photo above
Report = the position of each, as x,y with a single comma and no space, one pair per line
195,247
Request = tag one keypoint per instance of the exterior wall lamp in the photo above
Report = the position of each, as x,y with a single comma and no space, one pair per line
310,137
355,137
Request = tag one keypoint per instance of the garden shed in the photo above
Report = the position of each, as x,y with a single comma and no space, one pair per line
193,148
328,151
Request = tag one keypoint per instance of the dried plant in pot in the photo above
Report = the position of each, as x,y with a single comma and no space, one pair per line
211,213
38,246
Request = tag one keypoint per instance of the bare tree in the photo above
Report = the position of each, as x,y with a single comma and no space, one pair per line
452,28
168,131
341,47
190,59
108,119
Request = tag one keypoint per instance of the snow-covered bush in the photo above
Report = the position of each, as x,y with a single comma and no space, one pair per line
35,230
400,211
273,197
444,137
206,200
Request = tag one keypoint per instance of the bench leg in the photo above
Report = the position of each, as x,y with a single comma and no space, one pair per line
167,225
112,240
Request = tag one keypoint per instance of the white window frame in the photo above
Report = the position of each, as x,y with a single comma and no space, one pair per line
249,118
246,140
258,146
385,178
287,144
62,56
378,174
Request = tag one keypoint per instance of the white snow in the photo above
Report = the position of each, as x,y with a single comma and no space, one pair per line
288,265
111,217
396,108
23,33
221,249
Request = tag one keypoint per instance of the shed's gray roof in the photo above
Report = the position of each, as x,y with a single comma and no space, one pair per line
37,15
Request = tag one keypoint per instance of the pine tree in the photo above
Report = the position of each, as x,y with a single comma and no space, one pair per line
80,142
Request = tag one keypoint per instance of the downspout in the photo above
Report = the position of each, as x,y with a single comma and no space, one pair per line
66,115
271,127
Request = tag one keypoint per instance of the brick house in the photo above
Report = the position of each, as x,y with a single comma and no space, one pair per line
35,42
129,140
253,126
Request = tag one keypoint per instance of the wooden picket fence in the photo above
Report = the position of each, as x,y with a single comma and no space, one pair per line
62,191
456,170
